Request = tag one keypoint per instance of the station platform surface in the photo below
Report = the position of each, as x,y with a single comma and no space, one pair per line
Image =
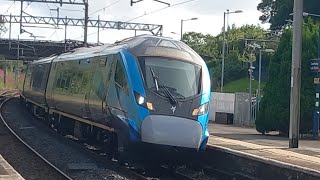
267,147
7,172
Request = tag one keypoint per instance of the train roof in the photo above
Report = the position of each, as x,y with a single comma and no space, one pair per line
44,60
142,45
148,45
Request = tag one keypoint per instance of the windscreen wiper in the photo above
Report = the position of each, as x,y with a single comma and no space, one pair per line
166,90
155,79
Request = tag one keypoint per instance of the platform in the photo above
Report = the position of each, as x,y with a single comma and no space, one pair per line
7,172
269,147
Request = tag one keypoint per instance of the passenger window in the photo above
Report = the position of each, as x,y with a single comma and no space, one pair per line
120,78
37,76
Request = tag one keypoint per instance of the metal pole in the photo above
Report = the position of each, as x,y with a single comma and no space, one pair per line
227,29
10,32
296,74
223,49
5,73
21,17
181,33
65,35
58,14
86,17
18,53
259,84
98,34
15,76
18,74
250,93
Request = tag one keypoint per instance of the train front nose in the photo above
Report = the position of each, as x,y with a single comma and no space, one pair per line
172,131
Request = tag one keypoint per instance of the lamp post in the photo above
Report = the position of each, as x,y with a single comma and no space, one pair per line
182,20
224,42
253,47
259,84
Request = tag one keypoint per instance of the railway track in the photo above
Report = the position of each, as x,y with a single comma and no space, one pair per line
95,155
68,161
131,172
4,97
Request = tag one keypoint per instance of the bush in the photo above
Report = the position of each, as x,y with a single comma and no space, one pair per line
275,106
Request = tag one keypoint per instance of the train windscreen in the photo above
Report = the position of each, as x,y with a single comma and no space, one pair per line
181,78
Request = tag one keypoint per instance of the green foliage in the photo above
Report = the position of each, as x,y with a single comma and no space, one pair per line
234,68
236,56
241,85
277,12
203,44
275,106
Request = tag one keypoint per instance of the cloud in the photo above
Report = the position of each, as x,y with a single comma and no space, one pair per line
208,12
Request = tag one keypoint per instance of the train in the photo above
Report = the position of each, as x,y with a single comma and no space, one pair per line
140,90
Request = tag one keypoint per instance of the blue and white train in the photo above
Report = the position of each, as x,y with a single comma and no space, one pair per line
141,90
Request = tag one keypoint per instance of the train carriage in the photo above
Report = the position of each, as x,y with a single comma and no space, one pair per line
144,89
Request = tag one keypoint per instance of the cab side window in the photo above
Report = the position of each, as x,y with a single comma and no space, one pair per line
119,77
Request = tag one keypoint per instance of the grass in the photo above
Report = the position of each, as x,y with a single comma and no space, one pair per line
242,85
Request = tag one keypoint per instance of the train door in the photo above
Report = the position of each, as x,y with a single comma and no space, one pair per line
117,95
87,69
109,100
52,81
118,99
98,90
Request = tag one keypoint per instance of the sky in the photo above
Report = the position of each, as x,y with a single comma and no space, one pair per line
208,12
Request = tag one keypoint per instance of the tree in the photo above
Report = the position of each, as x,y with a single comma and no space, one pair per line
275,106
205,45
236,63
276,12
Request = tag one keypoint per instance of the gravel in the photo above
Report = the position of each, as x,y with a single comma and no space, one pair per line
74,162
23,160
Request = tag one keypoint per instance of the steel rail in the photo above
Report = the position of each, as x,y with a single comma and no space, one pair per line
21,140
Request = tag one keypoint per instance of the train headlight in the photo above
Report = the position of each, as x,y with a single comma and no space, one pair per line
143,102
150,106
203,109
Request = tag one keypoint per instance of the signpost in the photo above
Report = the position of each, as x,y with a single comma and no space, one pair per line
315,67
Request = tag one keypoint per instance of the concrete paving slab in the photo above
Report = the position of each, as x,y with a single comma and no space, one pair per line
268,147
7,172
3,171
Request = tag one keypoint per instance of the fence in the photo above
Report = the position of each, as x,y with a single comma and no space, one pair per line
11,74
237,104
221,103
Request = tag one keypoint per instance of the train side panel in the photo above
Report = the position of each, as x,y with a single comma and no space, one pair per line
69,85
35,83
